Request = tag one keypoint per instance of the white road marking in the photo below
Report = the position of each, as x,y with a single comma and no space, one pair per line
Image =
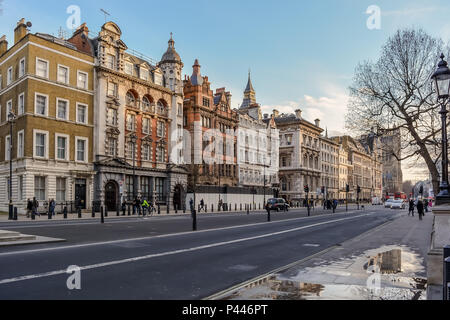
157,255
152,237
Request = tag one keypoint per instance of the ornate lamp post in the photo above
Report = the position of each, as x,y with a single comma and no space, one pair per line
11,119
441,79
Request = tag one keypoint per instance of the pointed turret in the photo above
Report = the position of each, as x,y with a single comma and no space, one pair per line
249,94
196,78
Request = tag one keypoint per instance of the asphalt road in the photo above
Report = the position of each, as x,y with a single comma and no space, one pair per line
162,264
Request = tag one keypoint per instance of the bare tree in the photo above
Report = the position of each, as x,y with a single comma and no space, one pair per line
395,93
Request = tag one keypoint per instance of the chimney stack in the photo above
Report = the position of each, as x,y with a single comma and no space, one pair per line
317,123
3,45
276,113
20,31
298,113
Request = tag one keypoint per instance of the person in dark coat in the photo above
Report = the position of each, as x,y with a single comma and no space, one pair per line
29,207
420,209
411,207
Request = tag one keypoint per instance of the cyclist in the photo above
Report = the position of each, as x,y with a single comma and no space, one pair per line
145,206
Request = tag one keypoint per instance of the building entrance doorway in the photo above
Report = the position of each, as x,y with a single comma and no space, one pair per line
111,196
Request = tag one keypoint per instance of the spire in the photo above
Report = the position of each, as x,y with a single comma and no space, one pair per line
171,41
249,93
249,84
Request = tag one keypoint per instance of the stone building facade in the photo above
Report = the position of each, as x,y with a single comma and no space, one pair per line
300,152
137,116
258,145
330,167
392,168
365,166
48,84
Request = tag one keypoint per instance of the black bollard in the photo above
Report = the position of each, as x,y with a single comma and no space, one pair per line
176,209
248,209
118,210
33,215
129,210
184,209
93,210
235,207
241,207
106,212
124,209
79,213
168,208
102,216
159,209
268,215
49,215
15,214
212,208
194,220
65,212
206,208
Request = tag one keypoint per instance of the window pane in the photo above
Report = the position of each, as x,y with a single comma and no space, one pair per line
81,144
62,109
41,102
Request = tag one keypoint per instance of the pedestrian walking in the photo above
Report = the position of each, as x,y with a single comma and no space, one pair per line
29,207
411,207
420,209
202,206
35,207
51,207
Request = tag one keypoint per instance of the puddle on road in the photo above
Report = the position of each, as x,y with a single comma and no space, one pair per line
387,273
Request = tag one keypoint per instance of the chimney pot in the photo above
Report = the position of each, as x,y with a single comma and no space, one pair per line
317,123
276,113
20,31
298,113
3,45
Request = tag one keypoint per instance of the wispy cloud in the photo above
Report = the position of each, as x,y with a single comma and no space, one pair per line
330,109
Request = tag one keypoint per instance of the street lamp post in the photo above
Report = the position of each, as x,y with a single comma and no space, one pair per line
442,82
134,141
11,118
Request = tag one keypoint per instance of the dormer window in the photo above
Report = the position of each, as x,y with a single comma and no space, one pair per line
129,68
145,74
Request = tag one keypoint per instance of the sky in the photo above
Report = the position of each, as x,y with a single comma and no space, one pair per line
302,54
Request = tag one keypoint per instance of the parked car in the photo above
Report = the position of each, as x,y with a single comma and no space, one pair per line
388,203
398,204
277,205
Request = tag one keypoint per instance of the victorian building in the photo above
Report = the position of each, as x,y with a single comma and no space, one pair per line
345,169
47,94
258,144
211,124
138,112
366,168
330,167
300,152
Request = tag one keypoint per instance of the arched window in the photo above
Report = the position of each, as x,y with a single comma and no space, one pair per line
130,99
146,104
161,108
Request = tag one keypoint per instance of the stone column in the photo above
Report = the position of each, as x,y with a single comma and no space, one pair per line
440,238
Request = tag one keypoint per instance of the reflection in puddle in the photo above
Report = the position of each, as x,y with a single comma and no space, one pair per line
397,269
386,262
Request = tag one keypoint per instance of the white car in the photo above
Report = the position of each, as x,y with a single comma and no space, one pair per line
388,203
398,204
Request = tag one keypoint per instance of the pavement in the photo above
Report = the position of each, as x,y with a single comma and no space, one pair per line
397,250
160,259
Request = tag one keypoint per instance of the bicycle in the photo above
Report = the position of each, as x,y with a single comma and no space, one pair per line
151,210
